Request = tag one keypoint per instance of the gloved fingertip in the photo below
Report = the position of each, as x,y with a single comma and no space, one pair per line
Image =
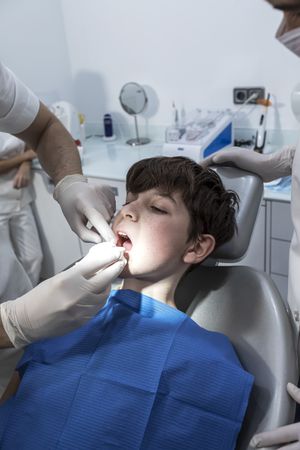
119,253
90,236
122,263
294,391
255,442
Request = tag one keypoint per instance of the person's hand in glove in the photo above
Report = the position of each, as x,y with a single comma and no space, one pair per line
65,301
289,434
83,202
268,166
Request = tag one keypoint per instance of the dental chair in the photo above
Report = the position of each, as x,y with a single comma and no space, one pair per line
245,305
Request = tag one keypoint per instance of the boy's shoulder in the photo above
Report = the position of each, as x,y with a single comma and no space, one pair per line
201,348
204,368
215,342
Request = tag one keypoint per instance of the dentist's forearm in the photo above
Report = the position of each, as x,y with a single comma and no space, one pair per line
54,145
58,152
4,339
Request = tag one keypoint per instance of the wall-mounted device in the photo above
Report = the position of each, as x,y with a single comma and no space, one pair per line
242,95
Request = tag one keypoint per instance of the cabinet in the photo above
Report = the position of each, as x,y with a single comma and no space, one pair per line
279,230
60,245
270,243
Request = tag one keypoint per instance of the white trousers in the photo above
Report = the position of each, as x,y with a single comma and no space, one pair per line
19,240
20,266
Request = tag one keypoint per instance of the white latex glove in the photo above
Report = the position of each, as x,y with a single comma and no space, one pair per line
268,166
65,301
82,202
290,434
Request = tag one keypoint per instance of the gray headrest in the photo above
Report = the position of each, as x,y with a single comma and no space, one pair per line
249,188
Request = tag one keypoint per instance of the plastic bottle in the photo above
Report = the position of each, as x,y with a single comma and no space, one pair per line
108,128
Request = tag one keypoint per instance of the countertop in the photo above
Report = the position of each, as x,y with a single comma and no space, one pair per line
111,160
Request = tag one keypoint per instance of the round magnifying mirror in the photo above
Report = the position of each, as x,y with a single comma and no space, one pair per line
133,100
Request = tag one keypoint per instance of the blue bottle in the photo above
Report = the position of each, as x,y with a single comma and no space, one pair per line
108,126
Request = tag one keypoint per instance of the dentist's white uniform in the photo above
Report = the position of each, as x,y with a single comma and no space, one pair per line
294,257
269,167
18,105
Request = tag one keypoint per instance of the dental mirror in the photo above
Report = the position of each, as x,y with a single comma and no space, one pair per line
133,100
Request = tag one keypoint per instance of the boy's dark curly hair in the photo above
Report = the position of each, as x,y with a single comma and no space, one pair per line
211,207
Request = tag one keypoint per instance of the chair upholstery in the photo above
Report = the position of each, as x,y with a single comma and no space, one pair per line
245,305
249,188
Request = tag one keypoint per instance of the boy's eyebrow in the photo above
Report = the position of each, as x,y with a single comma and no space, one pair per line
167,195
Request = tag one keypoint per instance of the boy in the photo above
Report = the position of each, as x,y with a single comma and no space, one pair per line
141,374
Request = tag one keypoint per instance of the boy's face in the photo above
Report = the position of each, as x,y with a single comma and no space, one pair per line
153,228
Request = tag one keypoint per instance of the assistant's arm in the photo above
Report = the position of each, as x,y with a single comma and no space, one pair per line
288,435
269,166
63,302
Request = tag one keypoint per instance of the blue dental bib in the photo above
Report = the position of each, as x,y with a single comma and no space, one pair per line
139,375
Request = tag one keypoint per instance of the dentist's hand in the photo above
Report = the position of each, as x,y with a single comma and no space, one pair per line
290,434
82,202
268,166
65,301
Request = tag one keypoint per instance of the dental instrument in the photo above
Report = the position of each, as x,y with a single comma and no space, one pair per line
261,133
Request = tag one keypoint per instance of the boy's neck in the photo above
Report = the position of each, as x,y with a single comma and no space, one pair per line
162,290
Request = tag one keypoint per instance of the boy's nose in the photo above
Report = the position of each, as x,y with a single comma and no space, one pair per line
129,212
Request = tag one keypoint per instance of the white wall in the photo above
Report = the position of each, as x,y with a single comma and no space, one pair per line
33,45
192,51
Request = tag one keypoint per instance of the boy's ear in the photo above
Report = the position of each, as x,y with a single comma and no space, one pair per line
200,249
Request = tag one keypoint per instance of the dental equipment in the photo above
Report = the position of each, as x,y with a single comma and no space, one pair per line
202,135
261,133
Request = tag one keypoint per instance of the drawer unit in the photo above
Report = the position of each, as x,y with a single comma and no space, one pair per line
281,222
280,257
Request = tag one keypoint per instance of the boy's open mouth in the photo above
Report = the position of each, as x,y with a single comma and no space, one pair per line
123,241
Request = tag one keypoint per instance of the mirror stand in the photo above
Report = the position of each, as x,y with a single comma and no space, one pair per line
138,140
134,100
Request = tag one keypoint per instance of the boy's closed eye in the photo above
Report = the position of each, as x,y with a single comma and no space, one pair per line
154,208
158,210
